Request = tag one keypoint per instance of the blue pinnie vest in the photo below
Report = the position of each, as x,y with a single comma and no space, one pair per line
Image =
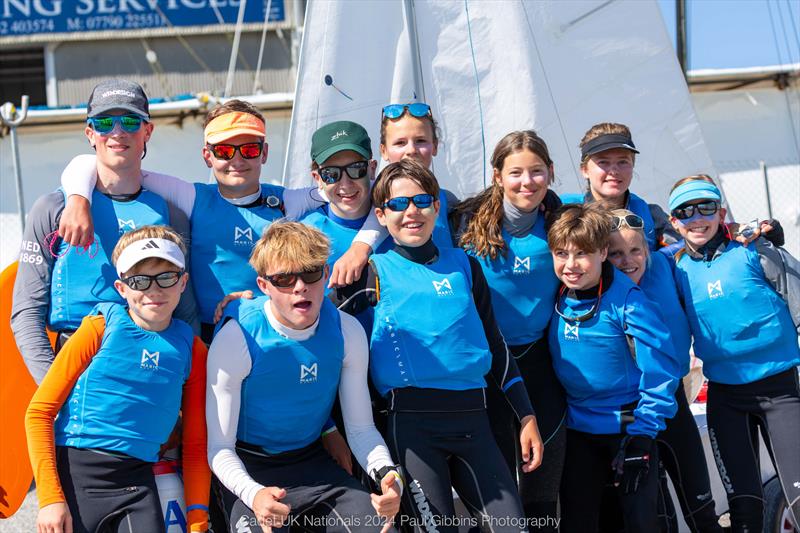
289,393
128,398
635,204
523,285
594,363
442,236
427,332
223,235
81,279
742,328
658,285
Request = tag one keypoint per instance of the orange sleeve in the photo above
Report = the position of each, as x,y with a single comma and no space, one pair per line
196,473
67,367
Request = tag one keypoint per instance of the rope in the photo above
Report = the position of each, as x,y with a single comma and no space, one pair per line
256,81
478,87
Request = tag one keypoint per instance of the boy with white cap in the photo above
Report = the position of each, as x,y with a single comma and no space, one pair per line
117,388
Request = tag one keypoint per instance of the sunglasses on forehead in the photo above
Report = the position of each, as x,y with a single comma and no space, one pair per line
226,152
289,279
142,282
685,212
106,124
632,221
418,110
331,174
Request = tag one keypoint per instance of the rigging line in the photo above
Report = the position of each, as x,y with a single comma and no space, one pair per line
774,33
157,69
794,26
478,87
550,89
256,81
783,29
588,13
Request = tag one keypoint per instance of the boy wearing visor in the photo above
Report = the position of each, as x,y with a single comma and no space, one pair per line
743,306
116,389
58,285
228,216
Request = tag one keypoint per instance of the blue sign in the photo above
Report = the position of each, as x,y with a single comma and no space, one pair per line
27,17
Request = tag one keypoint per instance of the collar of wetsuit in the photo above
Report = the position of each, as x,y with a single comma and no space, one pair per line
709,250
425,254
517,222
124,197
607,275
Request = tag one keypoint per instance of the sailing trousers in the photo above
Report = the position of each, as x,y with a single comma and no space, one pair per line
322,496
587,470
109,492
538,490
736,413
450,447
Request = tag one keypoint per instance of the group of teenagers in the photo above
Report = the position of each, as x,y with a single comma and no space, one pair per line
522,349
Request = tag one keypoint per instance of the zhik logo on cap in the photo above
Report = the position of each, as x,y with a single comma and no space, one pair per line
150,360
715,290
339,134
308,374
443,288
571,332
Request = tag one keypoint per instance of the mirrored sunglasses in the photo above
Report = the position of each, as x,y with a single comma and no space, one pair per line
685,212
106,124
401,203
226,152
142,282
418,110
331,174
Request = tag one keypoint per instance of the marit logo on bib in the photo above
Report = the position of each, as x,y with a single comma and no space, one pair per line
242,235
150,360
522,265
308,374
715,290
571,332
126,224
443,288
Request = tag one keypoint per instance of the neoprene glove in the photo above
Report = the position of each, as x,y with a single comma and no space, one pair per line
632,462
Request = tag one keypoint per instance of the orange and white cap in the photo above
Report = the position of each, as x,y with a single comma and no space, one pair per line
231,124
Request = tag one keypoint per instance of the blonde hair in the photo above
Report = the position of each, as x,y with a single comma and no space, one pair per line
147,232
290,245
604,128
696,177
586,226
484,234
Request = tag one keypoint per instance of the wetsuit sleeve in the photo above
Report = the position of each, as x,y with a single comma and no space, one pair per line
782,271
298,202
73,359
196,474
172,189
80,176
31,299
665,233
366,443
228,364
187,309
371,232
504,368
658,362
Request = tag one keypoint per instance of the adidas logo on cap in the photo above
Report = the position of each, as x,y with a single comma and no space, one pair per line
150,245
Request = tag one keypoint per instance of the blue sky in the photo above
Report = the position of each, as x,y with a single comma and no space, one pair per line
739,33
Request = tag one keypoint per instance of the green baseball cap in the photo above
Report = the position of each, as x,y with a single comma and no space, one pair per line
337,137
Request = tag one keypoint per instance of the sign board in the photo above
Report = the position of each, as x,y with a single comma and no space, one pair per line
30,17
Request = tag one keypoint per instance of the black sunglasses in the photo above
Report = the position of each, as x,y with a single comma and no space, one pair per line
632,221
688,211
331,174
401,203
288,279
142,282
226,152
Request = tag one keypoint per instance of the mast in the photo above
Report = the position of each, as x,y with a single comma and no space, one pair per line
681,38
413,42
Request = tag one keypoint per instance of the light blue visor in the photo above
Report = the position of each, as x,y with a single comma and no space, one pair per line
693,190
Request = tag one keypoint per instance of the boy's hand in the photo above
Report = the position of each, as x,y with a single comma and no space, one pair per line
337,448
76,226
54,518
387,504
349,267
531,442
269,511
247,295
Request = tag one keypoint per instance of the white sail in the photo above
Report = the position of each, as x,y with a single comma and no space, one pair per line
490,67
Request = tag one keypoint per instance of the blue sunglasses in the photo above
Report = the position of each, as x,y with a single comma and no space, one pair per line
106,124
418,110
401,203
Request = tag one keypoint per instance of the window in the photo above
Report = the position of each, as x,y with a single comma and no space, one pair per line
22,72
